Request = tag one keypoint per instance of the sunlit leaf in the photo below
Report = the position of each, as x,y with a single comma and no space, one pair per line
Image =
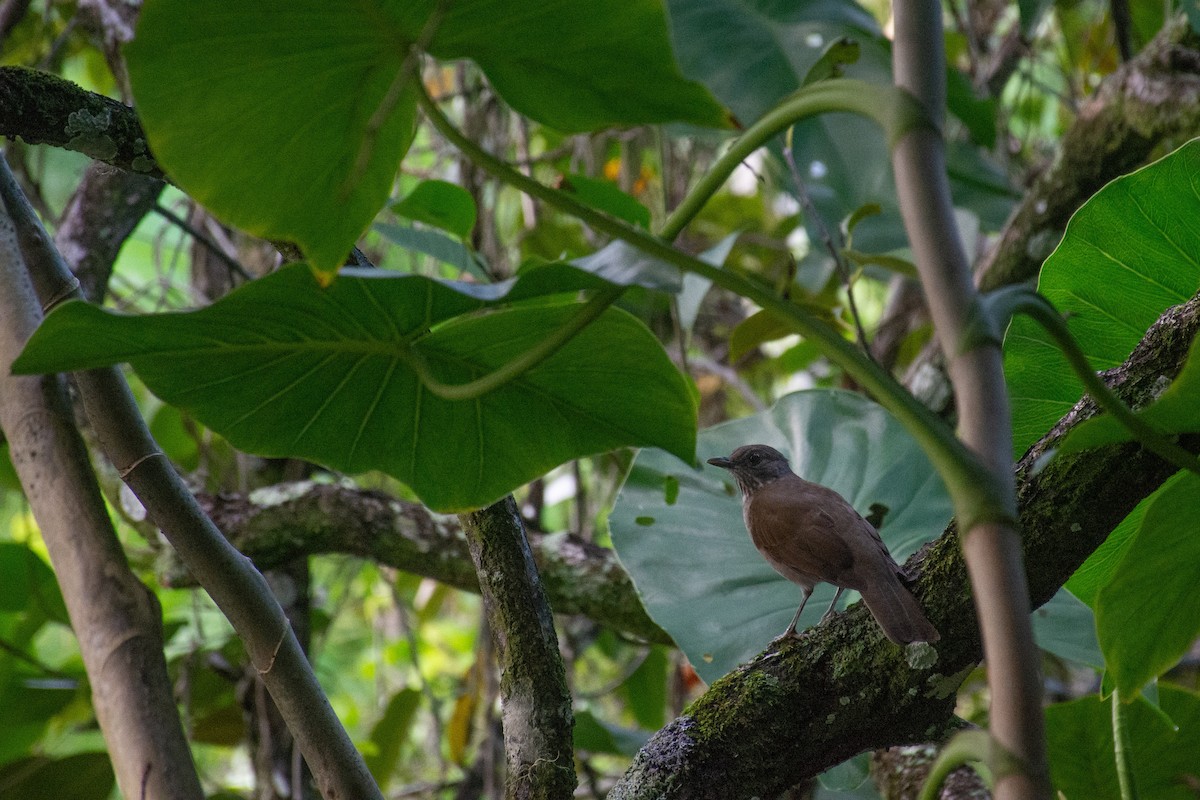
607,197
1148,615
1128,254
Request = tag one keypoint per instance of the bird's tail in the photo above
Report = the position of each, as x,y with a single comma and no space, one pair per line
897,611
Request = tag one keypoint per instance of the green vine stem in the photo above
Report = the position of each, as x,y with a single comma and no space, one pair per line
1121,751
965,476
964,747
894,110
1019,299
587,313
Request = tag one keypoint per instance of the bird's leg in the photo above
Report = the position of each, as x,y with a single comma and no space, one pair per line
829,611
791,629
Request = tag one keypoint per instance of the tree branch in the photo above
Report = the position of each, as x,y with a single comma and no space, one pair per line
230,579
278,523
535,701
116,620
102,213
991,546
41,108
802,707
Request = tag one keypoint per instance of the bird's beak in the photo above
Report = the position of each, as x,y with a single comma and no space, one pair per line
723,463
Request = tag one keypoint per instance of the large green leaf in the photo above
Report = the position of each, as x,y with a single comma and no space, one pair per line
283,368
1080,744
754,54
679,530
284,117
289,119
575,65
1148,615
1129,253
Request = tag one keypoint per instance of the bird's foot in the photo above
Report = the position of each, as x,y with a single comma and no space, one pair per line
787,636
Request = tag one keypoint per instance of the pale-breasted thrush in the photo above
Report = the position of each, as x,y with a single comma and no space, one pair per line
810,534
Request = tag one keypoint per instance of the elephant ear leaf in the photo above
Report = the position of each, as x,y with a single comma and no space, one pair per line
342,375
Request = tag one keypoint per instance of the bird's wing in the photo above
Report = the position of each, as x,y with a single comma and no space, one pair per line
794,528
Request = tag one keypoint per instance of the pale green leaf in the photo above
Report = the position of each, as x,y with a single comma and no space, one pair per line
679,530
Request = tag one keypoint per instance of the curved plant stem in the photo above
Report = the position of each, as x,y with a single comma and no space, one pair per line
962,471
1041,310
893,110
587,313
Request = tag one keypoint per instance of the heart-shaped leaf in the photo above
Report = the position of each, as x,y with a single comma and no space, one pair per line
1128,254
287,119
679,530
281,367
576,66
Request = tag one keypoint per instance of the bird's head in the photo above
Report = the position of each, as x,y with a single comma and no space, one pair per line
754,465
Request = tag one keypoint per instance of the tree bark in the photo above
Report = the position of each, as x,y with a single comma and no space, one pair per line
535,701
116,619
41,108
1150,104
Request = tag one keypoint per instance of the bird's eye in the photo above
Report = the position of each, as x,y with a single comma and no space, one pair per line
754,459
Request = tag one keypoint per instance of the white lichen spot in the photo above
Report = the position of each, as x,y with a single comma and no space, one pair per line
844,700
920,655
829,720
270,496
1076,527
943,686
89,135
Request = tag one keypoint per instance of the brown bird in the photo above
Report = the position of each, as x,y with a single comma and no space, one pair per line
810,534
